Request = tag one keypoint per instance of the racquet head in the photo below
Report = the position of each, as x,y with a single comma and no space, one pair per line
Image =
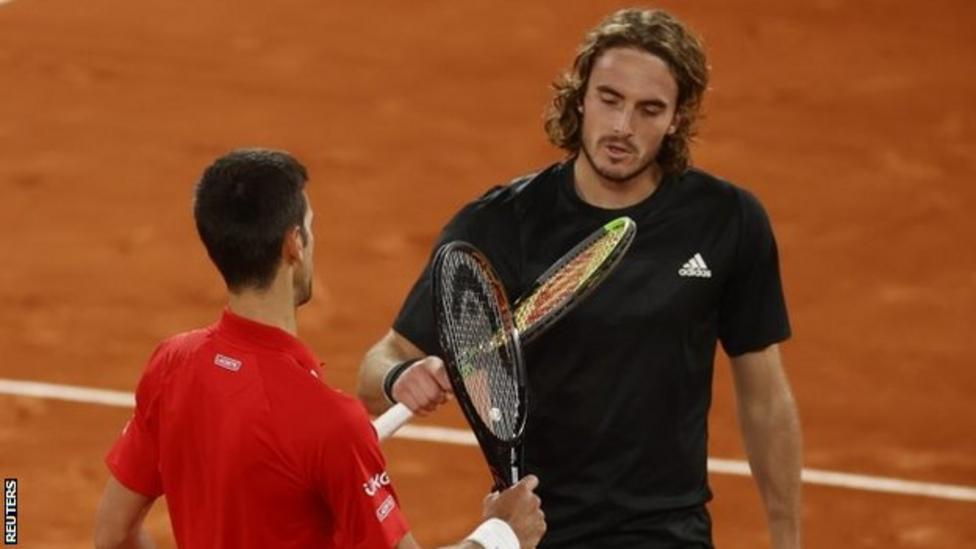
572,277
482,353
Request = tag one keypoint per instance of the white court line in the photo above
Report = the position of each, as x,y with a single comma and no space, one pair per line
67,392
464,437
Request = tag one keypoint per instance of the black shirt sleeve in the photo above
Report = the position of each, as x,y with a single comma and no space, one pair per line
752,313
415,321
486,224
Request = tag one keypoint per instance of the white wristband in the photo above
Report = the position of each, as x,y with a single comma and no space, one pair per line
494,533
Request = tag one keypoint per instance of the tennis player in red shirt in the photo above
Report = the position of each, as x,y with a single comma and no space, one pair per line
233,423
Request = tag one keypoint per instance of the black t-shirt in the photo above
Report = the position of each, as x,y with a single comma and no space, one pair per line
619,389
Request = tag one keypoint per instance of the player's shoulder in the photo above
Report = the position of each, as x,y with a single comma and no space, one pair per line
708,189
338,414
348,412
527,186
167,359
188,340
294,389
501,202
314,421
701,182
178,347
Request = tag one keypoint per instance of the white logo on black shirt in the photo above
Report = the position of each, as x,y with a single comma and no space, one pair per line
695,267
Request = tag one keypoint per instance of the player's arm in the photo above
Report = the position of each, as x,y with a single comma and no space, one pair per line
118,522
771,431
513,519
422,385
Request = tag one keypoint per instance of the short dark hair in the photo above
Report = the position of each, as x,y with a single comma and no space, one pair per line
244,205
658,33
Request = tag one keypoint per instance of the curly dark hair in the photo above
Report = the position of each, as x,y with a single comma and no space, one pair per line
658,33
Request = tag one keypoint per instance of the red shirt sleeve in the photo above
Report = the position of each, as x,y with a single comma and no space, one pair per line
134,458
352,479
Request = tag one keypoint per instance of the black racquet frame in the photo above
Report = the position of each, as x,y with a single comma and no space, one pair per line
504,457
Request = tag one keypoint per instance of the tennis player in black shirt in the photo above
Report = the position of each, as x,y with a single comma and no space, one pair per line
619,390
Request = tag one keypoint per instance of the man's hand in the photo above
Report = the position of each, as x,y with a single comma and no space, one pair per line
521,509
423,386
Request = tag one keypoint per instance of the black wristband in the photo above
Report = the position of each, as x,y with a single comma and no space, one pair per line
394,374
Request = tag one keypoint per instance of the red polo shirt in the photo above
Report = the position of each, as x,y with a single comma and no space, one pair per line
252,449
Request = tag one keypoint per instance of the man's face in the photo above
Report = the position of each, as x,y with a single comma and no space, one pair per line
628,109
305,271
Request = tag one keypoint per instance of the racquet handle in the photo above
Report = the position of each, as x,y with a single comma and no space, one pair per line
391,420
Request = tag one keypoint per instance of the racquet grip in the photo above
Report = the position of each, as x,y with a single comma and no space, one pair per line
391,420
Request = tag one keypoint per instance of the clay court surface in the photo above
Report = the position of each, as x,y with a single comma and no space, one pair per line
853,121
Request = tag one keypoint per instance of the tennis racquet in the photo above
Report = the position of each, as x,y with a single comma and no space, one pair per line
555,292
482,354
572,277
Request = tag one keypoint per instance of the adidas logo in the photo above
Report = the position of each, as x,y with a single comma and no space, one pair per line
695,267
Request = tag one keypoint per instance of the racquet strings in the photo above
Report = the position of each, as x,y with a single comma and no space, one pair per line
475,314
575,273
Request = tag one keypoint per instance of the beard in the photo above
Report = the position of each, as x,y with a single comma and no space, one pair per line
616,177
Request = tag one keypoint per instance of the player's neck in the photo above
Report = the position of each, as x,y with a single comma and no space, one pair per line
274,306
597,190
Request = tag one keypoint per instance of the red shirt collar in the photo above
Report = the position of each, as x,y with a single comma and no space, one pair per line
255,334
